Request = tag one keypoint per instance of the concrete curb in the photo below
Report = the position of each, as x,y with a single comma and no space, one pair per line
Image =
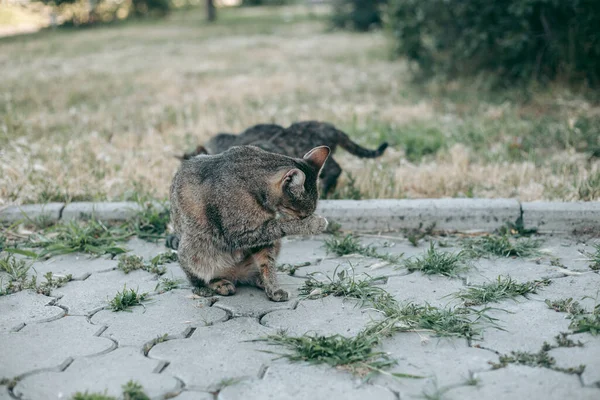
377,215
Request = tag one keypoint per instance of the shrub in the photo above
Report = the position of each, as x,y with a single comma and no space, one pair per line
359,15
517,39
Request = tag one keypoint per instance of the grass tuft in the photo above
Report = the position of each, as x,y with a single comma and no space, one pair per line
151,222
414,235
350,244
589,322
501,246
126,299
541,359
566,305
92,236
168,284
594,257
345,284
128,263
436,262
501,289
458,321
356,355
131,391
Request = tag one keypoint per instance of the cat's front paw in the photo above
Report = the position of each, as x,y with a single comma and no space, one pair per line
278,295
222,287
316,224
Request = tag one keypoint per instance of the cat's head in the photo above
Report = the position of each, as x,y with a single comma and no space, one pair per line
299,190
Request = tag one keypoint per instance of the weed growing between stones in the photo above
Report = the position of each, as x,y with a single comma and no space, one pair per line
18,279
131,391
501,289
594,257
126,299
566,305
436,262
168,284
356,354
345,284
501,246
128,263
414,235
91,236
542,358
350,244
151,222
291,269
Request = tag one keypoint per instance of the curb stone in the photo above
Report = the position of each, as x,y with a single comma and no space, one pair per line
462,215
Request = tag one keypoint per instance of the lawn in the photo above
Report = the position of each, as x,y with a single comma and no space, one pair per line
95,114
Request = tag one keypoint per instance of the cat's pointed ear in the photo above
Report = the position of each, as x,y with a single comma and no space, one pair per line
318,156
294,180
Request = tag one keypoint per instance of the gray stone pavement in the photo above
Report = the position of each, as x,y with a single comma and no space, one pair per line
179,345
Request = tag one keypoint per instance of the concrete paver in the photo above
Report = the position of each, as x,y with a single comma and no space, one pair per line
519,382
216,353
49,345
172,313
107,372
26,307
210,350
327,316
300,381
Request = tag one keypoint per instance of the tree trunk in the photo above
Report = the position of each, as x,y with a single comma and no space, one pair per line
211,12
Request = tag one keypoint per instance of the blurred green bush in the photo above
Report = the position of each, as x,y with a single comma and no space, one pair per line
515,39
358,15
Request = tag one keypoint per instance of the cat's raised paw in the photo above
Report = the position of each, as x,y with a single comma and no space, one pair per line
279,295
223,287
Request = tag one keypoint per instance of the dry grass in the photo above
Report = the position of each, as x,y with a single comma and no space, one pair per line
98,113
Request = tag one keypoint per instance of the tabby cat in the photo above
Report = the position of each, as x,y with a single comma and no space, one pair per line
293,141
230,210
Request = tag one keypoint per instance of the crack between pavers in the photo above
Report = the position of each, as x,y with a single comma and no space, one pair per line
60,212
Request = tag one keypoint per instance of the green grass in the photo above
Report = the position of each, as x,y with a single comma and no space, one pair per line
453,322
345,284
131,262
350,244
126,299
587,322
504,287
151,222
168,284
131,391
357,354
18,278
542,358
566,305
436,262
594,257
501,246
91,236
414,235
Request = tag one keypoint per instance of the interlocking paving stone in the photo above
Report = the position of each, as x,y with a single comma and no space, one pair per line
589,355
327,316
420,288
216,352
520,382
107,372
26,307
354,264
302,381
526,323
487,270
4,395
295,250
569,252
169,313
188,395
146,249
78,265
431,357
84,297
253,302
49,344
575,287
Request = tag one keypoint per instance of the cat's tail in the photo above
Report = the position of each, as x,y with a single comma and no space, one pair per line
354,148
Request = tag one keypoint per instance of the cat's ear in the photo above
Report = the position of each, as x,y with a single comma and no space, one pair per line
294,180
318,156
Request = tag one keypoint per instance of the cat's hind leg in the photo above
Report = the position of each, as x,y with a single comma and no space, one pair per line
265,260
329,176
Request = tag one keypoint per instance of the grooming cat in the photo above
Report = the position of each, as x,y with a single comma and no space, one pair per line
294,141
230,210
